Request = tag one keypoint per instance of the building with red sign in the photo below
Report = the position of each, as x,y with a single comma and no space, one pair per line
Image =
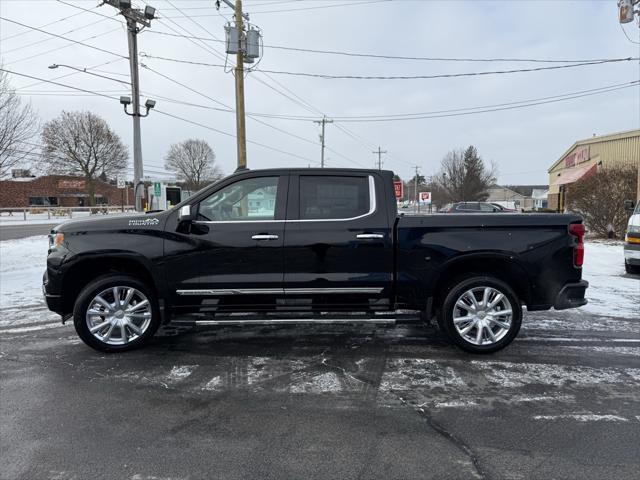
586,156
59,191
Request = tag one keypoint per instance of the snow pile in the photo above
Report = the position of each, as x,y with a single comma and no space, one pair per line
611,292
22,264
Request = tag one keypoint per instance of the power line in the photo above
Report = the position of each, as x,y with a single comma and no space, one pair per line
404,77
289,10
160,112
21,47
78,42
42,26
394,57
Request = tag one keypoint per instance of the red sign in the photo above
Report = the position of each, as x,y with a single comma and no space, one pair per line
425,197
397,186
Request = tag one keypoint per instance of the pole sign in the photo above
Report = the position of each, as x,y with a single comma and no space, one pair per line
398,187
425,197
157,189
120,182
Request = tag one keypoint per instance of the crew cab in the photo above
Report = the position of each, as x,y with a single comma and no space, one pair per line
310,245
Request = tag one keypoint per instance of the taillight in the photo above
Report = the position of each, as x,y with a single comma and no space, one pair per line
577,230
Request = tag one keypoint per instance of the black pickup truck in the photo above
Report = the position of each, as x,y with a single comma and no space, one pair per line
310,245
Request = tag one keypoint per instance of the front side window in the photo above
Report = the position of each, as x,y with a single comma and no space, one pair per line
487,207
249,199
326,197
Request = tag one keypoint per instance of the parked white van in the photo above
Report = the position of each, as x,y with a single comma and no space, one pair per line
632,240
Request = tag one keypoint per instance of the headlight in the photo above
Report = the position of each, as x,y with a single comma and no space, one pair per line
55,240
634,229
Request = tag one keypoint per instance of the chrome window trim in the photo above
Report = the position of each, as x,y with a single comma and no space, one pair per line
280,291
372,209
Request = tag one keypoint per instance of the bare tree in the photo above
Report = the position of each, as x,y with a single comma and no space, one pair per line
599,199
194,161
19,128
464,176
81,143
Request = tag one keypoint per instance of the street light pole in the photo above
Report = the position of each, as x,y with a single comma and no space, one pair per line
134,17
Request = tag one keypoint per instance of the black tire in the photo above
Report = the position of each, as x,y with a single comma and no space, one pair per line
100,284
457,289
632,269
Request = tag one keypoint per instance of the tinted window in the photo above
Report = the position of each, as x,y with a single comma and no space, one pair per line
473,206
487,207
249,199
326,197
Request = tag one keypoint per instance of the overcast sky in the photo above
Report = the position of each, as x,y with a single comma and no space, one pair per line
522,142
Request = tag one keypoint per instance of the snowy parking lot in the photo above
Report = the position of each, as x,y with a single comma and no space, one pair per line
563,401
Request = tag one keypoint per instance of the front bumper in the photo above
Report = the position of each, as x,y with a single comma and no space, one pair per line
54,302
632,253
571,295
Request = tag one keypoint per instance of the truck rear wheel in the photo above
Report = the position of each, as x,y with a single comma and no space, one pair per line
115,313
481,314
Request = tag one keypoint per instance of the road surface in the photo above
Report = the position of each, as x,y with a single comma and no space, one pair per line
347,402
12,232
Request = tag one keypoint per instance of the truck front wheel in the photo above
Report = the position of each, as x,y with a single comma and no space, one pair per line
116,313
481,314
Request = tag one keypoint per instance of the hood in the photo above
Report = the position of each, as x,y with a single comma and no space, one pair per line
112,222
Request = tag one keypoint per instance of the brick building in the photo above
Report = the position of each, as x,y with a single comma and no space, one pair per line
59,191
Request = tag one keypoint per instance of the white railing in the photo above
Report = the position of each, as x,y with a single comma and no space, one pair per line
55,213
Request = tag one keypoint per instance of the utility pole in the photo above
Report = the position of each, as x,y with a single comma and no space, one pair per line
416,188
241,130
322,122
626,14
379,153
246,46
134,18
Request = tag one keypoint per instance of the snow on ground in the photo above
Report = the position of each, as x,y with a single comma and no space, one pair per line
611,293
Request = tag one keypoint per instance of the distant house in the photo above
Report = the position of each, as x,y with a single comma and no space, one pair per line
519,197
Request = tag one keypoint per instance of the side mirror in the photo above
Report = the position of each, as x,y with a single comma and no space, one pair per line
628,205
186,214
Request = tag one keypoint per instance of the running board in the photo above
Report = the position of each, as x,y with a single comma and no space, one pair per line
285,321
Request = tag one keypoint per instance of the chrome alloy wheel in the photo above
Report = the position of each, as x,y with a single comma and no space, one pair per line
118,315
482,315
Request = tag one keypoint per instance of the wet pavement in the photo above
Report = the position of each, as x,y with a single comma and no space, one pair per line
348,402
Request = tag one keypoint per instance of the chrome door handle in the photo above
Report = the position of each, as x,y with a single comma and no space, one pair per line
264,237
367,236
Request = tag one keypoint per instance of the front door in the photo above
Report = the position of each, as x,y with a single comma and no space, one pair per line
240,232
338,242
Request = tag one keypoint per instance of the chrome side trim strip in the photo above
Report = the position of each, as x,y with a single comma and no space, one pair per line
322,291
233,291
279,291
295,321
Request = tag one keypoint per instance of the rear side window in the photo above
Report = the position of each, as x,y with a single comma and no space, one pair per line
487,207
327,197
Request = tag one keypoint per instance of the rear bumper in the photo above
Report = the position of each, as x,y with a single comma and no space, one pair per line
571,295
632,253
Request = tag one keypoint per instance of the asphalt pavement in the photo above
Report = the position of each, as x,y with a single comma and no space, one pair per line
12,232
340,402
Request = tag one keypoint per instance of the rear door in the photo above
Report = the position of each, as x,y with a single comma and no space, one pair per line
338,248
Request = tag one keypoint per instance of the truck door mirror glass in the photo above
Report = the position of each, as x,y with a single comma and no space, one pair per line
185,214
628,205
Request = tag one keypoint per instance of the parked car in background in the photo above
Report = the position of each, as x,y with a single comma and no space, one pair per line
475,207
632,240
